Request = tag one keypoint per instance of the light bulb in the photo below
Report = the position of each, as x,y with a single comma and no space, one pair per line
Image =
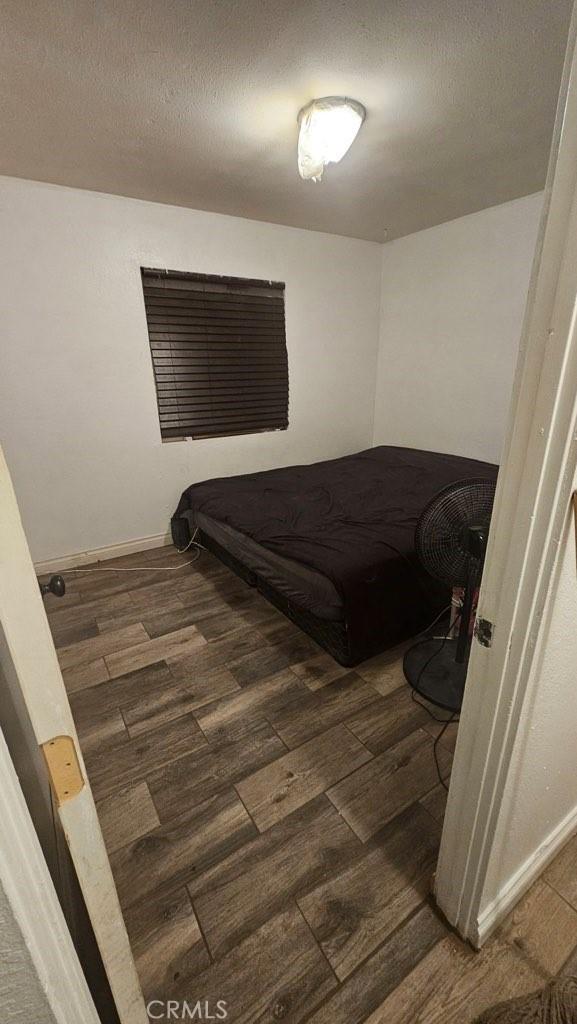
327,129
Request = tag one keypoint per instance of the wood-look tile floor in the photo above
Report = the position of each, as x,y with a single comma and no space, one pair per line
272,818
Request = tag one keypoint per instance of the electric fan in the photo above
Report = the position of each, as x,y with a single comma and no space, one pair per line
451,540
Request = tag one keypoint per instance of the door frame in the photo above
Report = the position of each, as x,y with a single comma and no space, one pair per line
532,503
33,657
25,879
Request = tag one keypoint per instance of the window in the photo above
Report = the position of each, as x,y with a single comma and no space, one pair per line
219,353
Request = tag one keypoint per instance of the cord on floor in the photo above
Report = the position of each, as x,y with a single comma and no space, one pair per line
438,738
151,568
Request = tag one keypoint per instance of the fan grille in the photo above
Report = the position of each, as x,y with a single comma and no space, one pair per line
441,532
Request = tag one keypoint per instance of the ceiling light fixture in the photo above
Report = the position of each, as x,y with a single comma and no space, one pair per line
327,129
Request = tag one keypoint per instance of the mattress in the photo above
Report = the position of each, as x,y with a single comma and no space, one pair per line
305,587
338,536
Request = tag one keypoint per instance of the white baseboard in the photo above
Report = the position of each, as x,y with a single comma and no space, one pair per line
128,547
522,880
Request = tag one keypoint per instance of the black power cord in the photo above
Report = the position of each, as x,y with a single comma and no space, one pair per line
438,739
446,722
151,568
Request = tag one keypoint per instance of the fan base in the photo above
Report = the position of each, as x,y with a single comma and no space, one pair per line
430,668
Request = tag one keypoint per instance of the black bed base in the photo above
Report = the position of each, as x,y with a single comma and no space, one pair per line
331,635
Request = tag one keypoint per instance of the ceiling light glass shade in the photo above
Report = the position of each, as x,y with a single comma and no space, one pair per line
327,129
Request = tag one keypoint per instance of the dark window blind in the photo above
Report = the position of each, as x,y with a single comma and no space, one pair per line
219,353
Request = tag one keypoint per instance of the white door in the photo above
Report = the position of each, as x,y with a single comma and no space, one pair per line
33,656
532,503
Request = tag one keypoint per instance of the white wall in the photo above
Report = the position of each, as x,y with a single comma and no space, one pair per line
78,417
453,299
22,999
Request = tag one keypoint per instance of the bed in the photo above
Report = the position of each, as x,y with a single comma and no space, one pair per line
332,544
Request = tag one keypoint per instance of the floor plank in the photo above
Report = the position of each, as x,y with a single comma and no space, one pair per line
149,697
89,611
544,927
355,910
273,792
449,737
119,762
175,699
454,984
65,636
216,597
319,670
235,715
259,664
93,585
385,671
211,769
297,647
278,973
255,612
562,872
126,816
176,645
206,604
276,627
381,789
287,860
383,724
252,607
99,646
83,676
215,654
313,713
209,570
173,854
166,620
569,968
112,694
138,611
378,976
155,596
96,729
221,622
435,802
167,943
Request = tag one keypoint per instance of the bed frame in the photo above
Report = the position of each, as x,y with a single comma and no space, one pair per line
331,635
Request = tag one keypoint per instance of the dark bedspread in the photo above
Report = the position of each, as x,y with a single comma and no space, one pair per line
352,519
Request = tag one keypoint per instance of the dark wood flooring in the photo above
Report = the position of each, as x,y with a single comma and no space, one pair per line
272,818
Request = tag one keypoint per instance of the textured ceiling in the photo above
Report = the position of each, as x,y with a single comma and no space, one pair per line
194,102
